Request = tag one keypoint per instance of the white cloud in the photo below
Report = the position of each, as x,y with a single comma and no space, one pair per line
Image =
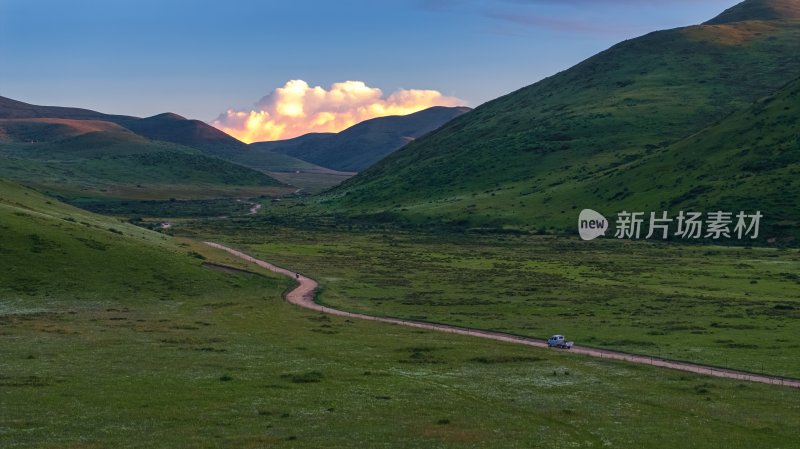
297,108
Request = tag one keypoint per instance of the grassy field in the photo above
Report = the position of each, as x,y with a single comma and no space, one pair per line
112,336
724,306
312,181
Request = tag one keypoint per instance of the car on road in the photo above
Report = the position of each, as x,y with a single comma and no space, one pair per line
559,341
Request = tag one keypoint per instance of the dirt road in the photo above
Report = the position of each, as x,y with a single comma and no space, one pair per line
303,296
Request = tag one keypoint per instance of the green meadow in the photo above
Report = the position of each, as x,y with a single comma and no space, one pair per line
733,307
114,336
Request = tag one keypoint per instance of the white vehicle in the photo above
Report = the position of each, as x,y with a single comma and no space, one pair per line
558,341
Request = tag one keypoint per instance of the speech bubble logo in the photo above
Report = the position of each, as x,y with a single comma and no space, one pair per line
591,224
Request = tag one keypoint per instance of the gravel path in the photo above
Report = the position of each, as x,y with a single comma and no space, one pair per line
303,296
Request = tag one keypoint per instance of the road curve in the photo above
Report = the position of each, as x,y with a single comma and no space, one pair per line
303,296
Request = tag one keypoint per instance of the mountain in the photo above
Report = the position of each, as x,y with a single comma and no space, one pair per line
748,161
361,145
522,160
13,109
50,129
79,152
90,158
167,127
121,165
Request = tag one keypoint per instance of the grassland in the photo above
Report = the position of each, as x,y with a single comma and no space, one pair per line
312,181
724,306
113,336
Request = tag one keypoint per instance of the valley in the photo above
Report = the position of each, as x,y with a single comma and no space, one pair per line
386,269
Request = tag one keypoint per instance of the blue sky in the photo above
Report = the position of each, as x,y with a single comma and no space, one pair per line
198,58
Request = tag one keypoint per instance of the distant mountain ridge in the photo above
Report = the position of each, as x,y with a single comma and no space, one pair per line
27,122
14,109
167,127
78,152
359,146
364,144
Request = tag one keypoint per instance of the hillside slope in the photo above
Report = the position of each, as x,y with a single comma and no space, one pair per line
71,151
54,254
506,162
361,145
121,164
167,127
51,129
749,161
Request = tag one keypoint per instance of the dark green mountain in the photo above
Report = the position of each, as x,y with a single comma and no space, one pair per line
121,164
535,157
169,127
749,161
361,145
165,127
81,153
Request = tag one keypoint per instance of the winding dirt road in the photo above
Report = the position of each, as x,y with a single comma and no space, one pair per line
303,296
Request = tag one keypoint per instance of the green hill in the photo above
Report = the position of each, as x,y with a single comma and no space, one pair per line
52,250
749,161
522,159
169,127
121,164
361,145
32,123
51,129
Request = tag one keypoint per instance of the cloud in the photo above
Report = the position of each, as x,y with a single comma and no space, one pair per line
297,108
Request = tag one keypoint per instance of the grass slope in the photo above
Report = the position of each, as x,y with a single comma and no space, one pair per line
52,129
124,165
31,123
173,128
122,339
750,161
506,162
361,145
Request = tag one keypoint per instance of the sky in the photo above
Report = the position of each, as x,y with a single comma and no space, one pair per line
224,61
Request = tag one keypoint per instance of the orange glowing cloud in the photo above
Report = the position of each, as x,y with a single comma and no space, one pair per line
297,108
